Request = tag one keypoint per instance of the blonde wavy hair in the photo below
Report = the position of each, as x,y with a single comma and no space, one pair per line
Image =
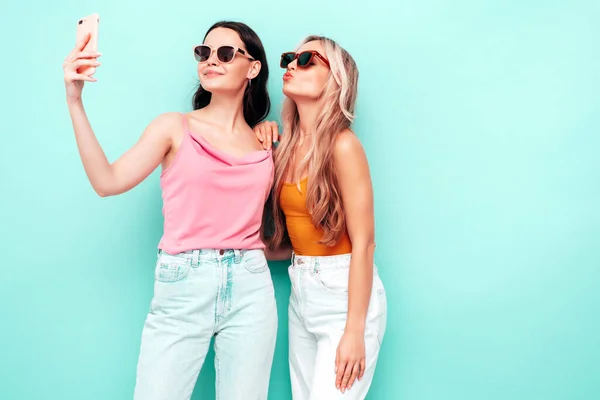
338,100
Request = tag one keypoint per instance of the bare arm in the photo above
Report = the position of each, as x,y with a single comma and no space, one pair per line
357,197
132,167
138,162
281,253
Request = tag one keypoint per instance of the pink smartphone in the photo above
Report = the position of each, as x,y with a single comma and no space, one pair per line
89,25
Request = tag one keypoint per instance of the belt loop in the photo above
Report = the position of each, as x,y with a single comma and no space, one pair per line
316,267
195,257
293,258
237,256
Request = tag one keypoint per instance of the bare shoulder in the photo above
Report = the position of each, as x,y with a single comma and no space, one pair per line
166,126
348,149
166,121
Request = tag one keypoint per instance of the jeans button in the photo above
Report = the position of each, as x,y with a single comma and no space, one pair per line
221,252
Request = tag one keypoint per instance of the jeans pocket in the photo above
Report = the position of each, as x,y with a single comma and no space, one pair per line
255,261
169,271
333,281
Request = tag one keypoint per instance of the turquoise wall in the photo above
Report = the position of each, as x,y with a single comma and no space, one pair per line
481,121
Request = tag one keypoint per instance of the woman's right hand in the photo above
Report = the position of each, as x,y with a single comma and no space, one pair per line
76,59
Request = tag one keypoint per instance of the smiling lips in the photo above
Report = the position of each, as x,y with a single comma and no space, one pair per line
212,74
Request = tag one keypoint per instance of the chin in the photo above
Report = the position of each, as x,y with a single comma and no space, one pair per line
215,87
298,95
290,92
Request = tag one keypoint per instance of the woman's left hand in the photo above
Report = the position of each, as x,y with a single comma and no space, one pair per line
267,132
350,360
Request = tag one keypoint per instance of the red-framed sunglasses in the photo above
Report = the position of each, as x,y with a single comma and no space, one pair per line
303,58
225,54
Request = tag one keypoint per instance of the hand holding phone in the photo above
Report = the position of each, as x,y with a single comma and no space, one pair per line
88,26
81,63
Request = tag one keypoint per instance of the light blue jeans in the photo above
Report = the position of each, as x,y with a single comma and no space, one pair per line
199,294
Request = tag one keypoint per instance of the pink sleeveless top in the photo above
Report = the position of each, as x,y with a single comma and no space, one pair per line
212,199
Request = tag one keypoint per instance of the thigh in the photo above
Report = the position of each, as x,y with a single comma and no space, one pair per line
302,353
245,341
176,333
330,331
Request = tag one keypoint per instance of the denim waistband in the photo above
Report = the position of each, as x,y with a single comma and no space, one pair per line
210,255
319,263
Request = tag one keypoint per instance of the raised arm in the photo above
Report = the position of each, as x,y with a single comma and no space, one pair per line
138,162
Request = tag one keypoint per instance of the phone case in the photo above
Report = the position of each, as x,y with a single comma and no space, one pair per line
89,25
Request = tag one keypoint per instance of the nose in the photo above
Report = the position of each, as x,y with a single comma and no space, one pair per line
292,66
212,59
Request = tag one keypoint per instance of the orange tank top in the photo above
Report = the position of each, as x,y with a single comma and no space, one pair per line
303,234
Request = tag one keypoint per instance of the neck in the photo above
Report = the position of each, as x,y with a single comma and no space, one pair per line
308,112
227,111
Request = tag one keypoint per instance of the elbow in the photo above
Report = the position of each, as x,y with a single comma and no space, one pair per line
103,191
269,255
280,253
366,246
102,194
106,185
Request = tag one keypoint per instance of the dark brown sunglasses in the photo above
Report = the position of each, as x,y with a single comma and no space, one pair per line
303,58
225,54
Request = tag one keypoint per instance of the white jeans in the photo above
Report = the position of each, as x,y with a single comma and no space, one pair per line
318,311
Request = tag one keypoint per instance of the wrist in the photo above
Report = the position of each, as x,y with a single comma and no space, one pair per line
74,101
353,326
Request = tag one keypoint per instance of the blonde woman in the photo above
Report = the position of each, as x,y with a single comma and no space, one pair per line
322,204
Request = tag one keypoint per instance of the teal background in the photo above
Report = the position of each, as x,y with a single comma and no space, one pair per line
481,122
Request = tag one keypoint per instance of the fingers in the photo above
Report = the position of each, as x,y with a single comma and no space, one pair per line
73,57
81,44
84,63
340,369
346,377
274,132
74,62
87,54
271,133
339,374
363,366
83,77
259,132
347,372
355,371
267,133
